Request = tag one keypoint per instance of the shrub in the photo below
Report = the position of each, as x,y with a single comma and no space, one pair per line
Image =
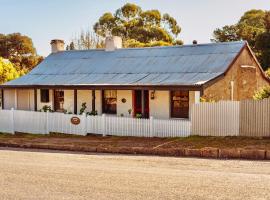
46,108
92,113
268,72
83,108
263,93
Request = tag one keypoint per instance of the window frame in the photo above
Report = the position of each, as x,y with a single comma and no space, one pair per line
47,96
105,105
182,114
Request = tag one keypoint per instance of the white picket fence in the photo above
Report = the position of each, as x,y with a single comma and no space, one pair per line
225,118
12,121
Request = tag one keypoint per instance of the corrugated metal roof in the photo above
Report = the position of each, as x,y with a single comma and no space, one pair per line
177,65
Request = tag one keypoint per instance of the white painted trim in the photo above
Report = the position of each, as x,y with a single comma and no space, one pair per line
248,66
232,90
197,97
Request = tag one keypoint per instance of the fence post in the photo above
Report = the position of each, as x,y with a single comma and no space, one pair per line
47,123
152,126
85,123
103,125
13,122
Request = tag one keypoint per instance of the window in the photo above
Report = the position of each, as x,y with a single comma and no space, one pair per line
180,104
109,101
44,96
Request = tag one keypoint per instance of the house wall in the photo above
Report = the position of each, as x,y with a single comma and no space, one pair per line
69,100
245,81
160,106
98,101
9,99
84,96
122,108
25,100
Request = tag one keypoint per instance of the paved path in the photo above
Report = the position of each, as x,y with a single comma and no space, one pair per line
56,175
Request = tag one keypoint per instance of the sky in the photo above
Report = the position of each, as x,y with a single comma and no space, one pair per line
43,20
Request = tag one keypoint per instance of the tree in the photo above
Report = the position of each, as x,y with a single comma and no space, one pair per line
251,27
86,40
227,34
19,49
7,71
71,46
268,72
139,28
263,43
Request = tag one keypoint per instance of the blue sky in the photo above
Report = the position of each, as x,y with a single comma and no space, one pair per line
44,20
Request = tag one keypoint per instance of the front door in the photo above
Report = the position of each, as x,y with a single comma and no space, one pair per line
180,104
59,101
138,103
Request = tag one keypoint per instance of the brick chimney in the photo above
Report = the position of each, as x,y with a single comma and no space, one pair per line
57,45
112,43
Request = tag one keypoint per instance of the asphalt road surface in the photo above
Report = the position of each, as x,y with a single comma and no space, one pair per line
59,175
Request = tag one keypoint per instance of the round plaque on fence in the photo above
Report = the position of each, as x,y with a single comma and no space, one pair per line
75,120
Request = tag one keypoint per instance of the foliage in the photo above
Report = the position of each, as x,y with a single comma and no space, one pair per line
263,93
82,110
250,25
139,28
93,113
263,43
138,115
7,71
46,109
253,27
227,34
205,100
85,40
268,72
19,49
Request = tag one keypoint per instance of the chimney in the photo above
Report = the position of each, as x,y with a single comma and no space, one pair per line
57,45
195,42
112,43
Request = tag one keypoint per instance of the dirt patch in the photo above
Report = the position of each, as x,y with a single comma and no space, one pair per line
195,146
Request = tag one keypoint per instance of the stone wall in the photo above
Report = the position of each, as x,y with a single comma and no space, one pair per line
246,76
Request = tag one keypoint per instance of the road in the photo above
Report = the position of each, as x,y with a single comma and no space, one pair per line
58,175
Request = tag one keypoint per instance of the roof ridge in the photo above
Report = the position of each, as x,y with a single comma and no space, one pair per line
160,47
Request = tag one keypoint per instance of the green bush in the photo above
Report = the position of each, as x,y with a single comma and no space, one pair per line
262,93
46,108
268,72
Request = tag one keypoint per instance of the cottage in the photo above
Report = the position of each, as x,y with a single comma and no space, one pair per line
162,82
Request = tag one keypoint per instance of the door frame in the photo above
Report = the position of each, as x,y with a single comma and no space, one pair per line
146,103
